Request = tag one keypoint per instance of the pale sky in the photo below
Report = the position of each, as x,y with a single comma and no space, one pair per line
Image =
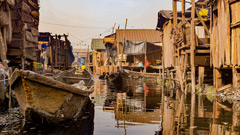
87,19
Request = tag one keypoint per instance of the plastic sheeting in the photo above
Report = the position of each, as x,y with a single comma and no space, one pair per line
134,48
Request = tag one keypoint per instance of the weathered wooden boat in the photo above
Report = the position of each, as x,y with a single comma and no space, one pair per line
115,81
114,77
53,98
135,74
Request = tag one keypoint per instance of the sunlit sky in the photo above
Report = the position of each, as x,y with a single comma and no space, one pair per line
87,19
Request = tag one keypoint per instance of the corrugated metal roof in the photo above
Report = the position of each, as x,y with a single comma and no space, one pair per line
98,44
149,35
166,15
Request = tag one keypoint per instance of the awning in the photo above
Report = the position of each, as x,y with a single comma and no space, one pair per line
134,48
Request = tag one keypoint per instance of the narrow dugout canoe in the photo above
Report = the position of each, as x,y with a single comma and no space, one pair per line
53,98
115,78
135,74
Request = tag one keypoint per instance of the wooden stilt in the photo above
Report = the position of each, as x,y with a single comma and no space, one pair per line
56,51
192,48
218,78
201,71
163,64
236,79
179,74
185,72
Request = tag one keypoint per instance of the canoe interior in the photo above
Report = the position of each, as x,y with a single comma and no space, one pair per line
69,77
136,74
49,102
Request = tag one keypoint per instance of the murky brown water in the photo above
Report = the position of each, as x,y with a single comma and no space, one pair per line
137,109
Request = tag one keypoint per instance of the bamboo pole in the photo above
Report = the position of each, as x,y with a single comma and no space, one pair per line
123,41
192,48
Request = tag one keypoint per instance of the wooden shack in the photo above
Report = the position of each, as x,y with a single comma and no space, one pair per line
225,41
25,21
98,55
57,51
185,53
150,36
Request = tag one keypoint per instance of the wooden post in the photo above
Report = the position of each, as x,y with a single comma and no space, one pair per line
185,72
87,61
51,50
183,10
201,71
192,49
145,69
56,50
123,42
163,65
192,115
218,78
174,13
236,77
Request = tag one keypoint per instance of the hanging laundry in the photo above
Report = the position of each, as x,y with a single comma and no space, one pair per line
177,35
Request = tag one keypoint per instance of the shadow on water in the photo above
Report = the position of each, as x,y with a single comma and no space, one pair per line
82,126
138,109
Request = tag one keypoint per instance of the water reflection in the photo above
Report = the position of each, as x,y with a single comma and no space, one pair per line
135,109
142,108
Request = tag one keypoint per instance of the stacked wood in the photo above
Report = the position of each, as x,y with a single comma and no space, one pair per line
5,28
25,21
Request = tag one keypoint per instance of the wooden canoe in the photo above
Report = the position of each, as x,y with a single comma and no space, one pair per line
53,98
135,74
115,77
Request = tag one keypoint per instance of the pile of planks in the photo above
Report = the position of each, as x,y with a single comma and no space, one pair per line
5,29
25,21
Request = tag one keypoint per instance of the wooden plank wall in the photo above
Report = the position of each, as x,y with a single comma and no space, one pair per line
235,32
168,46
225,35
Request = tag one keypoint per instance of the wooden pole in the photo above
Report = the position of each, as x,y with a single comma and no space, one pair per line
123,41
56,50
192,48
113,28
87,62
183,10
163,60
51,50
201,71
145,69
174,13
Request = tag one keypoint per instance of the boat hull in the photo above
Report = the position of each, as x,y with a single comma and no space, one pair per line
51,103
54,100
